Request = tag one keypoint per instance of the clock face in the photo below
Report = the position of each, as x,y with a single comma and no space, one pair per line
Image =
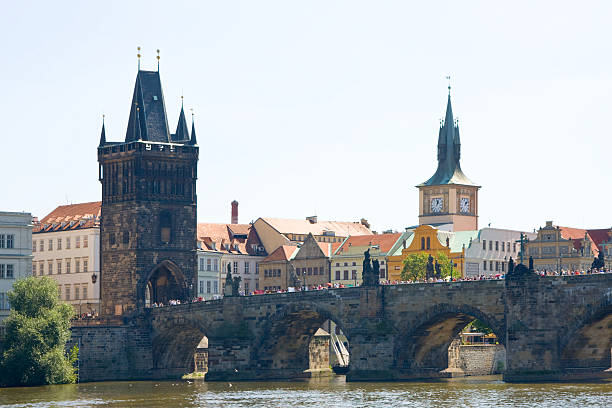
436,205
464,205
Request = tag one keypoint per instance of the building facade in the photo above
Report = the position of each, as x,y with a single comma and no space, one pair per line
148,226
449,199
66,247
558,249
347,260
209,273
275,232
15,253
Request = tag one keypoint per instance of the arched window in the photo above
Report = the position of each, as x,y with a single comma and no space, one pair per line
165,223
422,243
428,242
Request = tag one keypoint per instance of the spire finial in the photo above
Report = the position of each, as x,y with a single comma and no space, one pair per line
449,84
182,100
103,116
138,55
158,57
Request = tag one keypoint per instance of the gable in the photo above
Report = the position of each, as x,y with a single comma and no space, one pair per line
310,249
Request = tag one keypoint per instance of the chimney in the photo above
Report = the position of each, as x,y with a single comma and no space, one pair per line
234,212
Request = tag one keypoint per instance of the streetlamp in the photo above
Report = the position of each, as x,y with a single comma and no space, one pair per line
304,278
94,279
451,267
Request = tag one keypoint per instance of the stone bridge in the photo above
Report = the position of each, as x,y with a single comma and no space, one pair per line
553,328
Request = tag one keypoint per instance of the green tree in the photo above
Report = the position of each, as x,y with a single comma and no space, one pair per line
36,334
444,262
415,266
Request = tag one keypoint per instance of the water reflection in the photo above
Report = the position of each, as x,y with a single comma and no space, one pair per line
330,392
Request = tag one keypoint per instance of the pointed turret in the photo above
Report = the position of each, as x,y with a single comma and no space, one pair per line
182,133
193,140
102,134
449,153
148,119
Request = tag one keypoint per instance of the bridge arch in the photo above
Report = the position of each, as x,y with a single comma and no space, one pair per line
423,343
284,343
587,344
176,336
164,282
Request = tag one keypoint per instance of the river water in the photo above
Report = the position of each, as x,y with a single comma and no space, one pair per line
330,392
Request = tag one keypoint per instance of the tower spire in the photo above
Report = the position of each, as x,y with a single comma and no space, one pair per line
102,134
193,141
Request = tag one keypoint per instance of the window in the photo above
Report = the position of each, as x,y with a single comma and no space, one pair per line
77,265
235,266
514,247
346,275
428,243
33,268
201,286
497,245
422,243
59,244
256,285
354,263
67,242
202,264
337,263
246,268
124,240
337,275
76,292
34,246
50,268
508,246
41,247
68,264
503,246
85,264
496,266
490,245
256,268
309,271
41,268
67,292
59,267
208,264
503,265
2,302
346,264
216,265
2,270
354,274
484,244
484,265
490,265
85,291
165,221
2,240
77,241
10,240
50,245
216,286
246,287
10,273
208,286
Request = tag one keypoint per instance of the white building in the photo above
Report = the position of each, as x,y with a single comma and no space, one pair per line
15,253
209,272
239,247
488,251
66,247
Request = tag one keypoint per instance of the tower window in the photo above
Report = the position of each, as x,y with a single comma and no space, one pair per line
428,243
422,243
165,226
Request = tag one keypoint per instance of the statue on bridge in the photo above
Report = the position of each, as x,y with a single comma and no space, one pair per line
232,285
370,273
511,265
438,269
429,268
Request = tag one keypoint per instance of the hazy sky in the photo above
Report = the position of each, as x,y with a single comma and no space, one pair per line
320,107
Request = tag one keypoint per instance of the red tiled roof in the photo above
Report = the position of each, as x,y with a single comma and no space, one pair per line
384,241
282,253
298,226
71,216
225,240
577,235
599,236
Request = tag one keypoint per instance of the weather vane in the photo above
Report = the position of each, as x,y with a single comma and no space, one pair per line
138,55
449,86
158,57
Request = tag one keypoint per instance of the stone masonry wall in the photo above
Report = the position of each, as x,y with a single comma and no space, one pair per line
476,360
319,353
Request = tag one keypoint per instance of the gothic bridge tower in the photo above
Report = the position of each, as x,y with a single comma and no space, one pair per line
449,197
148,228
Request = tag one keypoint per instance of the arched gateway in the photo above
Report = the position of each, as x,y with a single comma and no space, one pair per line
164,283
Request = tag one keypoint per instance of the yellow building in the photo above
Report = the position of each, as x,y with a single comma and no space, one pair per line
431,241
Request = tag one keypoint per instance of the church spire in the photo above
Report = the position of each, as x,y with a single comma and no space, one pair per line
102,134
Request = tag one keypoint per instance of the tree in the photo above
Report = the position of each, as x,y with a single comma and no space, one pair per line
445,264
36,334
414,266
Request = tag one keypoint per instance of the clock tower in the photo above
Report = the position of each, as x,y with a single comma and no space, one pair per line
449,197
